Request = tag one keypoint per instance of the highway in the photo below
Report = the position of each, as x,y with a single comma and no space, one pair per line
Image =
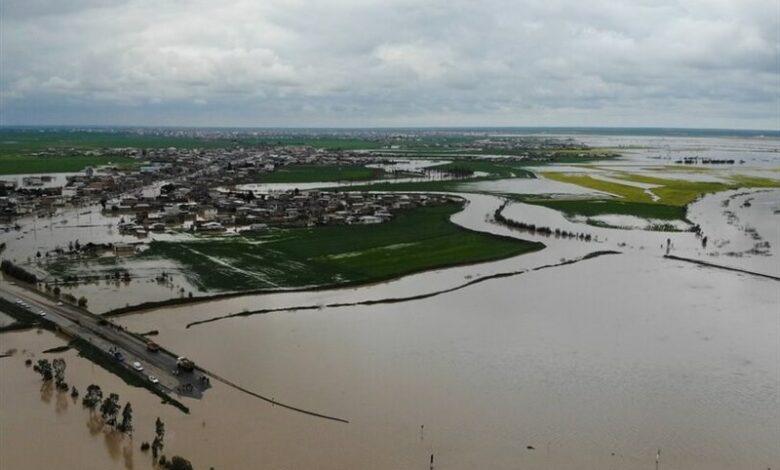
108,337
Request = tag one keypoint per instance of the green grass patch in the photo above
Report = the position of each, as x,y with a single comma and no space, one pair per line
315,173
26,141
596,207
672,192
627,192
414,241
24,164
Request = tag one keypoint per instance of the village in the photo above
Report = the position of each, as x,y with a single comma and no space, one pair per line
220,210
194,171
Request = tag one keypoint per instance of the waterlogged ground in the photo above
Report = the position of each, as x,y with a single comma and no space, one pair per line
594,364
693,371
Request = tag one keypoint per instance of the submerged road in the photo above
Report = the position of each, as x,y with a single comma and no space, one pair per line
108,337
158,369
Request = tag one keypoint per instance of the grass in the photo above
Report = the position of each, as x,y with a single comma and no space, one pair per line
414,241
315,173
26,141
626,192
671,192
22,164
596,207
327,143
674,195
496,170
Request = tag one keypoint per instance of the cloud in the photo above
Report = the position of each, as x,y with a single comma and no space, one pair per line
391,62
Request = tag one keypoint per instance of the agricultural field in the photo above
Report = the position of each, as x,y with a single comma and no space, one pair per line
414,241
22,164
671,192
596,207
316,173
24,142
326,143
660,198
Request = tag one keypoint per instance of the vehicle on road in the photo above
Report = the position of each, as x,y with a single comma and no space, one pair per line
151,346
185,364
119,356
137,366
60,304
41,313
154,379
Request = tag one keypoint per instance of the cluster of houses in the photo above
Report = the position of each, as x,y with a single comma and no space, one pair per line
199,168
221,210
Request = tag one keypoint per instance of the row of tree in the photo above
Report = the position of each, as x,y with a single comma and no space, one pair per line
538,229
18,272
109,409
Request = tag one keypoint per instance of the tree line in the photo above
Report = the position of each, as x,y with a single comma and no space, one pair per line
18,272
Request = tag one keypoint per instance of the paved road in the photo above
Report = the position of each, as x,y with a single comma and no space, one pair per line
107,337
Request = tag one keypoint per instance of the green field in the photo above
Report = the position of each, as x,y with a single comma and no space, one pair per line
24,141
416,240
315,173
674,195
596,207
671,192
496,170
327,143
18,164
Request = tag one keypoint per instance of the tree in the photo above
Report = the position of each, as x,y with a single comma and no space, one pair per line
127,419
59,373
44,368
56,291
179,463
93,397
159,431
157,446
159,428
82,301
110,409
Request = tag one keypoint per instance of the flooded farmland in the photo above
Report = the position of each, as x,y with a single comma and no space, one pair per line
609,367
555,361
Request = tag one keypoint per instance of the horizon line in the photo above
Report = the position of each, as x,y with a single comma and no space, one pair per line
417,127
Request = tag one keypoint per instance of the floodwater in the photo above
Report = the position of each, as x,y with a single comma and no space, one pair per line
616,355
530,186
591,365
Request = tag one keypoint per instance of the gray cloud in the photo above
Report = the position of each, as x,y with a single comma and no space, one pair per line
391,62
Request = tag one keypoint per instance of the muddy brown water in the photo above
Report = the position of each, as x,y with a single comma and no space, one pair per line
606,356
595,365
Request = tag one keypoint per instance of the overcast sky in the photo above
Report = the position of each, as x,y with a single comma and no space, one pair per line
669,63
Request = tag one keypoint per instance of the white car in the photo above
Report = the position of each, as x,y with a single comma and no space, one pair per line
154,379
41,313
137,366
60,304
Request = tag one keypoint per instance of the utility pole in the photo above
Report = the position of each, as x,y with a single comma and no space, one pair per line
657,458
